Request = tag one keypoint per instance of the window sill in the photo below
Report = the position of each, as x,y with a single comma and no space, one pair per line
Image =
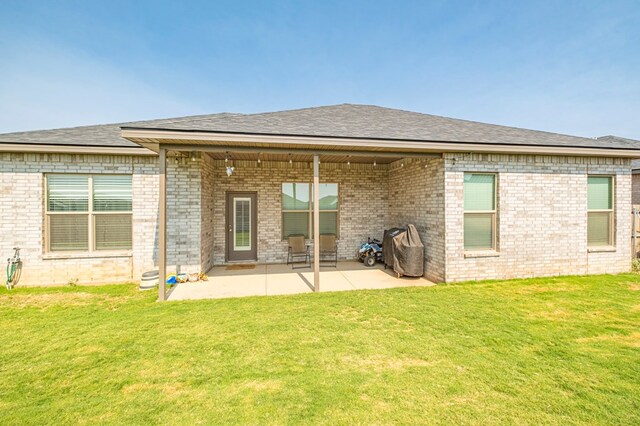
481,253
87,255
602,249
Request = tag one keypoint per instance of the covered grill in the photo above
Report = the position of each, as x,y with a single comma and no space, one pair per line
403,251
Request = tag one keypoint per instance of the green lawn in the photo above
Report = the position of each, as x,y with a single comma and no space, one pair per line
553,351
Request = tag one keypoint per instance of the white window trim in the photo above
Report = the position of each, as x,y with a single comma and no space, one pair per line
310,210
235,205
90,222
611,211
494,218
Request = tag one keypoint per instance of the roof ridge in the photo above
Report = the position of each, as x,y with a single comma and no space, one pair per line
482,122
299,109
422,114
197,117
617,137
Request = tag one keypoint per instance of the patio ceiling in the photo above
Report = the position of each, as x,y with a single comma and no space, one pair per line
302,158
296,150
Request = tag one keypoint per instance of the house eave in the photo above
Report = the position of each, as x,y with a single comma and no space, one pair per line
152,139
73,149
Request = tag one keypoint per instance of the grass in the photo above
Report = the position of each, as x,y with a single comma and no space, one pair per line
540,351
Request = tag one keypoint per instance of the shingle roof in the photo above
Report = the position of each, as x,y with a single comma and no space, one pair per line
107,135
620,140
346,120
635,164
368,121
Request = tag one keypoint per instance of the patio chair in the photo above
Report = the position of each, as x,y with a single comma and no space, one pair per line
298,249
329,249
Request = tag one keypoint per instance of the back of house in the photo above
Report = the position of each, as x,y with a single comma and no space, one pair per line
106,203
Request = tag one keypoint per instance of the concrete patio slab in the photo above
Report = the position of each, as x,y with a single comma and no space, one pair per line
267,280
281,279
331,279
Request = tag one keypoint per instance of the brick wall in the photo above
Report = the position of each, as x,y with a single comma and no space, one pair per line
22,198
184,221
416,196
541,219
363,193
145,216
207,213
542,216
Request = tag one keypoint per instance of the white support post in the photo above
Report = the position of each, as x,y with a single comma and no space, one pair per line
316,223
162,227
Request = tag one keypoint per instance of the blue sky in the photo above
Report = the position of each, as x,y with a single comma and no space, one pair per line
569,67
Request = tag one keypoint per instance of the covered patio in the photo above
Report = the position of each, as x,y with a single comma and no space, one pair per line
259,271
243,280
230,194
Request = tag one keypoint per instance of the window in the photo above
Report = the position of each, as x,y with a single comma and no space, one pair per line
297,209
87,213
600,211
479,211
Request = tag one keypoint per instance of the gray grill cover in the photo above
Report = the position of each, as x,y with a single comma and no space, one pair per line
403,251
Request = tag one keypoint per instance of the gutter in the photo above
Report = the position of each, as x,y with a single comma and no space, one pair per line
73,149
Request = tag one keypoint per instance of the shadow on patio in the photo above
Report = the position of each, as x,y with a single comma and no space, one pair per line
268,280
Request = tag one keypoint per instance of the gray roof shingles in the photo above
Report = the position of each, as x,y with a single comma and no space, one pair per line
345,120
105,135
635,164
367,121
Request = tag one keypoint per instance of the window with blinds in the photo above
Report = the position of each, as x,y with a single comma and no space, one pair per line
600,218
88,212
297,209
479,211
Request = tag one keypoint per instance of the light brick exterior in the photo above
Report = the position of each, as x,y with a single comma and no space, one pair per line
542,216
416,196
22,217
541,213
363,202
207,217
22,198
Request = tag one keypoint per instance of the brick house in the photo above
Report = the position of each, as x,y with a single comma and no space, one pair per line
105,203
